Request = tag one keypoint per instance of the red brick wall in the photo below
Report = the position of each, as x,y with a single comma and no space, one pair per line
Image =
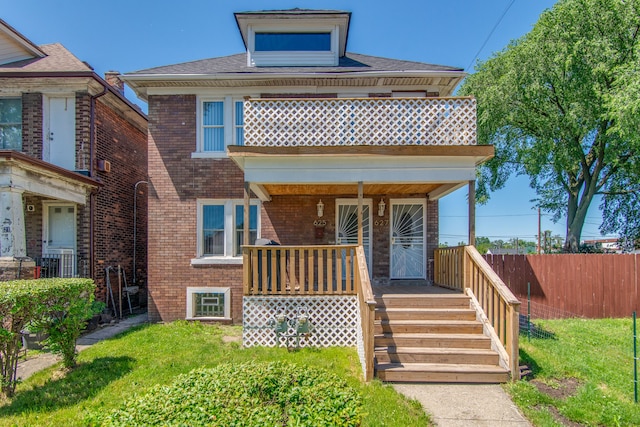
289,221
32,124
176,182
124,145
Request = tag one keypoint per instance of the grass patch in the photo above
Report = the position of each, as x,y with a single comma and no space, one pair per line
582,376
117,370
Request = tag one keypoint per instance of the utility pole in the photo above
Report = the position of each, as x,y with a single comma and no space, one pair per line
539,232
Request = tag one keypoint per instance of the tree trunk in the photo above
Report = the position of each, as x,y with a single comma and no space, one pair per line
576,214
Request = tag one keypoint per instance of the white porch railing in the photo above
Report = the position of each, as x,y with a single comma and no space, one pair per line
359,121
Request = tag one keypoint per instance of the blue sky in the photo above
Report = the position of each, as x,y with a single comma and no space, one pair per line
136,34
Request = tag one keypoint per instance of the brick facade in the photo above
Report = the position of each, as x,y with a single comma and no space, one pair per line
106,217
124,146
177,181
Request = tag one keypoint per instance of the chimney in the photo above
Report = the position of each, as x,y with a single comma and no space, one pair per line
113,78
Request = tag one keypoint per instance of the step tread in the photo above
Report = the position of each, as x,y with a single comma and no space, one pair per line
440,367
434,350
426,309
428,335
429,296
428,322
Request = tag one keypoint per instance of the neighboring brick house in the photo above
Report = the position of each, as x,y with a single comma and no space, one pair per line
300,124
72,149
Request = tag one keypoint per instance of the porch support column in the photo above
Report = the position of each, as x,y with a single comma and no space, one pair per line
360,195
13,243
472,212
246,212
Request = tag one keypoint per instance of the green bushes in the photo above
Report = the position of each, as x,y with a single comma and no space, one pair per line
58,307
250,394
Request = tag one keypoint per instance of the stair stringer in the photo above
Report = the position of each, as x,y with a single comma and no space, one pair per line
487,329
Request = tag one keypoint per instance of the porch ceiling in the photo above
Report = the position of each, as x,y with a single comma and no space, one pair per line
348,189
23,173
431,170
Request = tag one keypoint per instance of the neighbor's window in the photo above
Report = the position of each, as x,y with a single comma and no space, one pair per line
221,227
303,42
11,124
208,303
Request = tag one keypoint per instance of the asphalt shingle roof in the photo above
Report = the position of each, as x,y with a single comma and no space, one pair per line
58,59
350,63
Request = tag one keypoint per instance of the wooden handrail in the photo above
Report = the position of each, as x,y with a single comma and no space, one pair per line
462,268
367,305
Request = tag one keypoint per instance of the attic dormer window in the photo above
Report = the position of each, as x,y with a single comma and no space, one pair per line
292,42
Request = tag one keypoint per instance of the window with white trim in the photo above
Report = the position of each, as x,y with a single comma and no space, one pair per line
221,123
208,303
11,124
221,227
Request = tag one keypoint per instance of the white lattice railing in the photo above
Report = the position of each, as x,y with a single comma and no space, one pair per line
359,121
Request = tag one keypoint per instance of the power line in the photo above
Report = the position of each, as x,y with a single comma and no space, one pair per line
490,34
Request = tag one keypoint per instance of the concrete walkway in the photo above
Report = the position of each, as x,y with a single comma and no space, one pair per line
458,405
31,366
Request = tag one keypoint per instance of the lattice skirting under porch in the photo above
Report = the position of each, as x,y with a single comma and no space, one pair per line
335,320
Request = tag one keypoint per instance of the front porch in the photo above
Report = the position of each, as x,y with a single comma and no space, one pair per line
44,208
464,328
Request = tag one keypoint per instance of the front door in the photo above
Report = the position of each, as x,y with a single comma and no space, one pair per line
347,225
59,239
407,239
60,132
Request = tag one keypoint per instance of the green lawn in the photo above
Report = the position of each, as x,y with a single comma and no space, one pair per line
583,374
113,371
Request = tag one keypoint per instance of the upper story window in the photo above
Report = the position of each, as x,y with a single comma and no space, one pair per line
288,42
284,45
220,123
11,124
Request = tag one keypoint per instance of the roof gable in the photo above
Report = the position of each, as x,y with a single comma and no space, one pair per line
15,47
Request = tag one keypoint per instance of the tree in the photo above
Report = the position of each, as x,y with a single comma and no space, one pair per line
556,105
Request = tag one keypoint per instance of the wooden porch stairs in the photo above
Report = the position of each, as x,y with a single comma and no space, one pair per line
432,338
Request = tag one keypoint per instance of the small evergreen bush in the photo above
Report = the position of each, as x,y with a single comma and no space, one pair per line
251,394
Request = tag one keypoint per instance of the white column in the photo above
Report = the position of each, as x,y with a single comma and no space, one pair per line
13,242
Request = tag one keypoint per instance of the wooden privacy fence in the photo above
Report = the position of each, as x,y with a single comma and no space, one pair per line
463,268
588,285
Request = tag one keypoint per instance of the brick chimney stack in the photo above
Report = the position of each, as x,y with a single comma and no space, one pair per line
113,78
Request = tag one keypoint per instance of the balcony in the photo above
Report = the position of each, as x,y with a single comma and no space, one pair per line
360,121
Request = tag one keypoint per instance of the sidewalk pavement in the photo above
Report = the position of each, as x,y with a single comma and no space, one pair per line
458,405
31,366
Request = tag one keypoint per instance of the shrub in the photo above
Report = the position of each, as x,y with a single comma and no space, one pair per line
251,394
68,305
52,305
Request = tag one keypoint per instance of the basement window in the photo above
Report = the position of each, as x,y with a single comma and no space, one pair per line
209,303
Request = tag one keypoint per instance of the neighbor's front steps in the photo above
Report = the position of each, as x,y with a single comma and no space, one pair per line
432,338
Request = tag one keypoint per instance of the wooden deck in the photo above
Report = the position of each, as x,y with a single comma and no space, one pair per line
413,287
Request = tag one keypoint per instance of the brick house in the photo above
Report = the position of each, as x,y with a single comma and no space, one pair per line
72,149
288,182
277,117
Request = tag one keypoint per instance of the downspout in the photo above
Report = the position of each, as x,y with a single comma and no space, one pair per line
92,161
135,217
